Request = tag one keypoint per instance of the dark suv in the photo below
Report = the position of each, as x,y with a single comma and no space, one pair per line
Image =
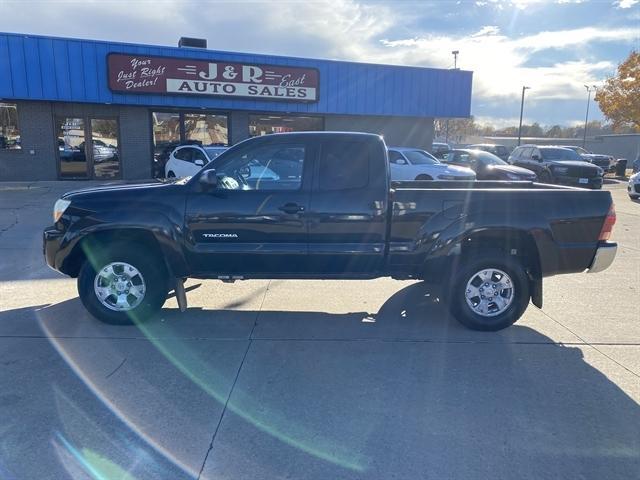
499,151
557,165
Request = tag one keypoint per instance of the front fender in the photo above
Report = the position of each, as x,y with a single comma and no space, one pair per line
165,230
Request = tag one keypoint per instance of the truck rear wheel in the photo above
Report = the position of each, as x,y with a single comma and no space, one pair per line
489,292
122,285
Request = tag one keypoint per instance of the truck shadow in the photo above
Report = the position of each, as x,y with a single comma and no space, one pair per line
404,391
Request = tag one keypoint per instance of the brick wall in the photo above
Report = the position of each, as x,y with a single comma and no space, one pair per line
36,160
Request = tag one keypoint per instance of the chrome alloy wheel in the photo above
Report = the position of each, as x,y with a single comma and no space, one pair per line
489,292
119,286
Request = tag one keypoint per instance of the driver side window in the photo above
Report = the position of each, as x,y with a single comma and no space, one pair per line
267,167
183,154
395,156
198,155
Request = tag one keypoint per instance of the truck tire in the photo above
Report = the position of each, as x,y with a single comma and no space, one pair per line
489,291
545,177
123,285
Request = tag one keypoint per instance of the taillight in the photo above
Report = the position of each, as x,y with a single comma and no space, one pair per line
607,226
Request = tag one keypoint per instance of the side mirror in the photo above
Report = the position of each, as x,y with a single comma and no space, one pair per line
536,157
208,180
401,161
199,163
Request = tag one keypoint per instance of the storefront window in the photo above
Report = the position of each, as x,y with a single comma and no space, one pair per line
170,129
206,129
265,124
9,133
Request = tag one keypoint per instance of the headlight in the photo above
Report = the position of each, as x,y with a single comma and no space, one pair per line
59,207
561,170
600,172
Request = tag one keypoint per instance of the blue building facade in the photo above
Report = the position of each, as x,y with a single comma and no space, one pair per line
73,108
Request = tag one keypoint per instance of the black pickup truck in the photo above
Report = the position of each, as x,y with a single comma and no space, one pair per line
321,205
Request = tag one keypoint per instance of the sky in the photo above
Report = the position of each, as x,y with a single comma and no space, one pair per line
555,47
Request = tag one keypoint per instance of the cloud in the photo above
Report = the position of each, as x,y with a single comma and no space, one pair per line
487,30
500,64
625,3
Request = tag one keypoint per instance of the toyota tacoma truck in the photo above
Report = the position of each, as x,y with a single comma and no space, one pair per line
327,210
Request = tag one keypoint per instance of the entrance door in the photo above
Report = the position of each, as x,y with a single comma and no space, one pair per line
87,148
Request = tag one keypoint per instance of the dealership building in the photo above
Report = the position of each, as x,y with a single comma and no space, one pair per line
85,109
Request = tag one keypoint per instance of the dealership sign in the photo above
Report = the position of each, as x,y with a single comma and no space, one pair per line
168,75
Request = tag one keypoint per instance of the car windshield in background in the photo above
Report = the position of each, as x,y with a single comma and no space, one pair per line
487,158
418,157
579,150
213,152
559,154
502,150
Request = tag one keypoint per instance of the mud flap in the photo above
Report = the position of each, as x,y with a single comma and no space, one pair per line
535,285
181,295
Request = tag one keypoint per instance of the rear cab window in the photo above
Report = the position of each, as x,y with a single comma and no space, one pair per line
344,165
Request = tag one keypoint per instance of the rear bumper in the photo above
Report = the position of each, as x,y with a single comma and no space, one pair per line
603,259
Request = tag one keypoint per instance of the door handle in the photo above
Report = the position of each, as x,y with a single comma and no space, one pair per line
291,208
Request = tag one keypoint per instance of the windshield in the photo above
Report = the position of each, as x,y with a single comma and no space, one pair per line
213,152
559,154
487,158
418,157
579,150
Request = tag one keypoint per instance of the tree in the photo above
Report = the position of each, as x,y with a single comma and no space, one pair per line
619,97
554,132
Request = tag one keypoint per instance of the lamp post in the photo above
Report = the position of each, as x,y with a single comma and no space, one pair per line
455,58
589,88
521,110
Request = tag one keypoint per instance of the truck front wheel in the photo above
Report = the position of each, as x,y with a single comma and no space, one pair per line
122,285
489,292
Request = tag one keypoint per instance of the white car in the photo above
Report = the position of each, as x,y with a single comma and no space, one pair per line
415,164
187,160
634,186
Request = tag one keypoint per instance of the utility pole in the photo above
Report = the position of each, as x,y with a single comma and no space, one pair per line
586,118
521,110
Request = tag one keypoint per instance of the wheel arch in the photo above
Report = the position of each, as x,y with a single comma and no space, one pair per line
508,240
153,242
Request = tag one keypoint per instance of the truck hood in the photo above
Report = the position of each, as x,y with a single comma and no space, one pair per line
570,163
130,187
595,156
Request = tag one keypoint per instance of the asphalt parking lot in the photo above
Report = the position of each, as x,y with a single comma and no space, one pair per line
314,379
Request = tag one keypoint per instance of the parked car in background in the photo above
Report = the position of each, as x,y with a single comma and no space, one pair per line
186,160
499,151
488,166
606,162
439,149
633,189
415,164
101,151
557,165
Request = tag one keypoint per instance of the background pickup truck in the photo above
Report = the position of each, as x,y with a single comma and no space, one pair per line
329,212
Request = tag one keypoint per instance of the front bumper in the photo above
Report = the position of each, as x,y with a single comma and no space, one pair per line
605,253
51,240
593,182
